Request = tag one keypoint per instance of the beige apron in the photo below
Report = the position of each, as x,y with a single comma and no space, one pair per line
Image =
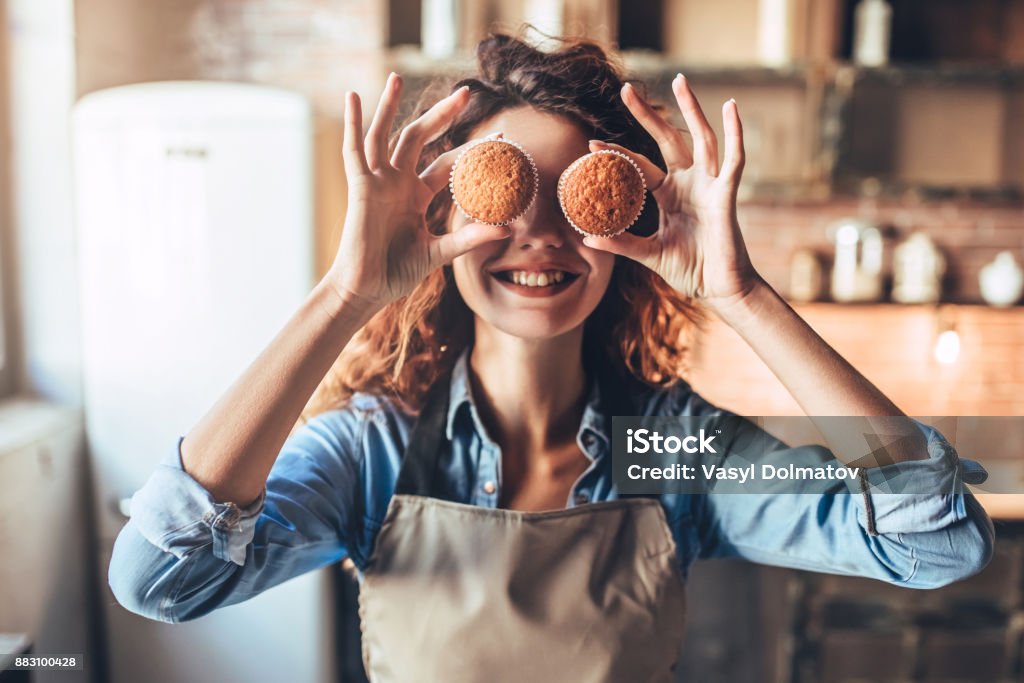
455,592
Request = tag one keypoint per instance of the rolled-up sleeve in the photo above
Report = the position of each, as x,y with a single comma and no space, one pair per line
931,500
928,538
914,540
948,533
176,514
183,554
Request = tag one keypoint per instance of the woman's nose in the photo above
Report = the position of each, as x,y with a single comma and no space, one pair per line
543,224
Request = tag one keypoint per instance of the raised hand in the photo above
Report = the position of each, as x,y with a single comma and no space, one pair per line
385,248
698,248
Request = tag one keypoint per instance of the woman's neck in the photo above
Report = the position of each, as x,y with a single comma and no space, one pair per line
530,393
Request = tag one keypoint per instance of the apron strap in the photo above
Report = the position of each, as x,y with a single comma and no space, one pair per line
615,390
416,476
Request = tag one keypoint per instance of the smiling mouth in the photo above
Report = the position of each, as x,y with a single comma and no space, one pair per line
539,280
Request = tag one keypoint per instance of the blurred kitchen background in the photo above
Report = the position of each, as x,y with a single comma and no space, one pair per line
155,235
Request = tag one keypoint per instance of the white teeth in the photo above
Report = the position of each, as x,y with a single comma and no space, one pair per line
535,279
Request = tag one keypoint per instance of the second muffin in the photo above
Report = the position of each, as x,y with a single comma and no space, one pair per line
602,193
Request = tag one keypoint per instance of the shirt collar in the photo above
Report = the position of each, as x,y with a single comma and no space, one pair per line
459,394
594,423
460,397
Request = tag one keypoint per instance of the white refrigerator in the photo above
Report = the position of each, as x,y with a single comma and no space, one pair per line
195,220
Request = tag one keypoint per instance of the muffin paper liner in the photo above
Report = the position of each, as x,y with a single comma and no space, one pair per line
494,137
572,167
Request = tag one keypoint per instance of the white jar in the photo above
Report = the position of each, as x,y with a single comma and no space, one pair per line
1002,280
918,267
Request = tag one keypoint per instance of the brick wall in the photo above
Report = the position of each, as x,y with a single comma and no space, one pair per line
319,48
893,346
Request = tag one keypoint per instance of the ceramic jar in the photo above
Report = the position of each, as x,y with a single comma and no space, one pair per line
1002,280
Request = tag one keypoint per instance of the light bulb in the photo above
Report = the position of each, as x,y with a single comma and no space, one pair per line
947,347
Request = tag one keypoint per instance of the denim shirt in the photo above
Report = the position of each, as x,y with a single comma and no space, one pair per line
183,554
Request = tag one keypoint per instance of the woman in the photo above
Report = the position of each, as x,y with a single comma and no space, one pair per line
470,425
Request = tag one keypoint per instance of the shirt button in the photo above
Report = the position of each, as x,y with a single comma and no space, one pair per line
490,487
589,440
582,498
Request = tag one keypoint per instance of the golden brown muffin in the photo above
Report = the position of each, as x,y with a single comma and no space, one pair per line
602,193
494,181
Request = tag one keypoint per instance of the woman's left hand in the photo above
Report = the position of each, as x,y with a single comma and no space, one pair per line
698,248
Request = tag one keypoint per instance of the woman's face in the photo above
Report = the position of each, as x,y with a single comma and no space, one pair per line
542,246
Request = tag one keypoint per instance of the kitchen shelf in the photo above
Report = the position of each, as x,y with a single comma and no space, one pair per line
951,74
651,65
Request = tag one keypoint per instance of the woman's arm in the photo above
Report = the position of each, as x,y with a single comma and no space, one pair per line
913,548
385,251
232,448
234,508
917,540
699,250
183,554
912,540
822,382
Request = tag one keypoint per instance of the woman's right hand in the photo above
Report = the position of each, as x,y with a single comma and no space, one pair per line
385,248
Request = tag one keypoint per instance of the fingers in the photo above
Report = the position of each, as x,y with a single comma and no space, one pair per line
670,141
380,128
426,128
447,247
352,146
732,165
436,175
705,145
653,175
641,249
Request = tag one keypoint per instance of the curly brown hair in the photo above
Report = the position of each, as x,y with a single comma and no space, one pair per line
641,325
